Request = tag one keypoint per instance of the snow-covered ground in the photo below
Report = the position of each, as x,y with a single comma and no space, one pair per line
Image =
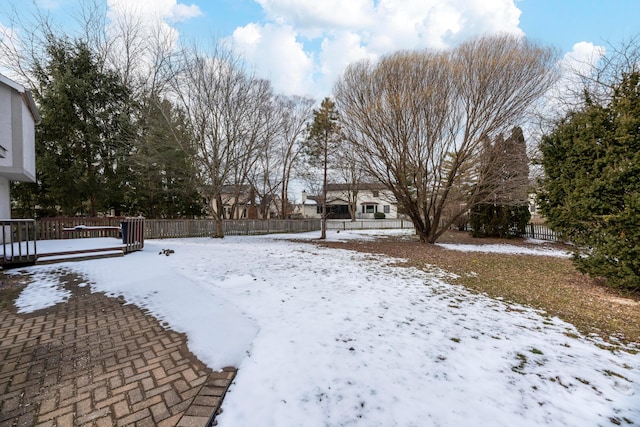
328,337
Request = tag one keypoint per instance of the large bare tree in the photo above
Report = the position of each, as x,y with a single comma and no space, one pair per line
226,108
417,119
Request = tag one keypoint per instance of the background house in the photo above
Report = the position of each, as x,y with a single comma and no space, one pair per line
18,117
366,199
244,202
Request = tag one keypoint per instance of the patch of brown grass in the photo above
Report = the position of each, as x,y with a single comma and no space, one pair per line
547,283
10,288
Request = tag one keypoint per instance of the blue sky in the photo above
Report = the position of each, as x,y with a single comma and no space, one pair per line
302,46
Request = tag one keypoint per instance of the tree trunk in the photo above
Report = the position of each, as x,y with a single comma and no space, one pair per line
219,229
323,233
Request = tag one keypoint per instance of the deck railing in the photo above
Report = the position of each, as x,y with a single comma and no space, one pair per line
130,229
78,227
18,241
133,233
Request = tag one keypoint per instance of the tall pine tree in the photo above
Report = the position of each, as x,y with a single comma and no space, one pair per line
85,138
323,134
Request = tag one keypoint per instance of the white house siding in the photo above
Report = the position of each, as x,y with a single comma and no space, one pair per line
18,117
5,207
384,202
28,146
6,154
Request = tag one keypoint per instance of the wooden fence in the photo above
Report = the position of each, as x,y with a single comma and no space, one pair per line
177,228
65,228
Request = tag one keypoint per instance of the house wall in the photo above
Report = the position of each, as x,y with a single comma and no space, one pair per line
384,198
18,117
28,143
17,133
310,210
5,199
5,127
365,197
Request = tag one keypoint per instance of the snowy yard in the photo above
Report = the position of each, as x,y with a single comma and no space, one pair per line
327,337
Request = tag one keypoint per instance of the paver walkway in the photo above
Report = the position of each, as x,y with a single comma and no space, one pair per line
95,361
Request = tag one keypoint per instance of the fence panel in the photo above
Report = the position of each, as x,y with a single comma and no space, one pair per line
181,228
541,232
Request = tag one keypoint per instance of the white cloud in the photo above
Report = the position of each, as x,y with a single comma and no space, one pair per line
347,31
312,16
12,51
276,53
338,51
182,12
567,93
152,12
582,57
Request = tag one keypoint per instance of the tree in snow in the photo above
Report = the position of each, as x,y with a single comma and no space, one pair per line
417,120
228,110
324,133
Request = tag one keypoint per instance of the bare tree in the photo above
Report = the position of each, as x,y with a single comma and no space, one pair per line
417,119
226,109
281,148
296,112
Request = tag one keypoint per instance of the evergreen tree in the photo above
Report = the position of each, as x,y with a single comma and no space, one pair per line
165,180
323,134
85,137
591,193
503,188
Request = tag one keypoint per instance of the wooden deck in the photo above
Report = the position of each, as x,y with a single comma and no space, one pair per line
74,242
51,251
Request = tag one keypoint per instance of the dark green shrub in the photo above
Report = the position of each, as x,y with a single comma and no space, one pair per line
591,193
488,220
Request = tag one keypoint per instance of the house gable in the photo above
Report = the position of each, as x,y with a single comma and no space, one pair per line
18,117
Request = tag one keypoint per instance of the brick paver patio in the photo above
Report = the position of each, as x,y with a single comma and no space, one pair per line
95,361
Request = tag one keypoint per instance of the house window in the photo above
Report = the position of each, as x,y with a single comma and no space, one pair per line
387,209
376,193
369,208
319,209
